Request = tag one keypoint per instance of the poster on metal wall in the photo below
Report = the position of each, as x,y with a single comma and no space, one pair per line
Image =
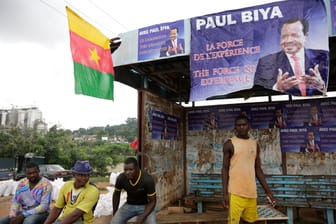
333,16
281,46
161,40
299,121
164,126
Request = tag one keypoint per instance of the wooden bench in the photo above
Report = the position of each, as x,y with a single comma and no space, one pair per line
291,191
321,193
303,191
208,188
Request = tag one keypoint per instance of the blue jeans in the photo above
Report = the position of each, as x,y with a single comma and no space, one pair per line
59,222
32,219
128,211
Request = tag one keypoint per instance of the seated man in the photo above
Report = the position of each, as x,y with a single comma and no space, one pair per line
77,198
141,195
31,202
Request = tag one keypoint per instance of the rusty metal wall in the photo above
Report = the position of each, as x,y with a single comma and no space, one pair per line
172,161
204,154
164,159
205,150
318,163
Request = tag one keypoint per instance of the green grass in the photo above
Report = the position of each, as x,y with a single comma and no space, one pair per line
99,179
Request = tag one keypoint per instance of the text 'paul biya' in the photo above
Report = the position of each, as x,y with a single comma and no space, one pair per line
246,17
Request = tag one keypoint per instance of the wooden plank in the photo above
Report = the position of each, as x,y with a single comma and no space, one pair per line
266,213
164,218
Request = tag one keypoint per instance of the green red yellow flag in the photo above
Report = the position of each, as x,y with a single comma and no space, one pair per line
93,67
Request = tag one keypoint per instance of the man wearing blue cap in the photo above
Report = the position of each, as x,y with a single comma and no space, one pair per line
77,198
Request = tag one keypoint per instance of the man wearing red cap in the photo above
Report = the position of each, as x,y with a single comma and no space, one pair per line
77,198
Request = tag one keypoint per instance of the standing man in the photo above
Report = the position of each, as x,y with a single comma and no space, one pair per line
30,204
141,195
295,69
174,45
76,199
241,164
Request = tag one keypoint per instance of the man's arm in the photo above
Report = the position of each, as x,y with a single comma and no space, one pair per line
148,209
227,154
261,177
17,220
16,205
55,212
116,200
73,216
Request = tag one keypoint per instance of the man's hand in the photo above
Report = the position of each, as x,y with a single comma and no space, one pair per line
315,79
271,200
180,48
225,201
171,50
140,220
17,220
284,82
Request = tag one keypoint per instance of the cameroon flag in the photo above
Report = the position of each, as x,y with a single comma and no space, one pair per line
93,68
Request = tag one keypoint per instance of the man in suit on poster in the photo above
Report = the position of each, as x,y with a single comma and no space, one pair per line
278,121
294,70
174,45
311,144
315,117
211,123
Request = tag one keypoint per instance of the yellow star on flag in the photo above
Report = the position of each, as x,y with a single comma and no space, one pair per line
92,59
94,56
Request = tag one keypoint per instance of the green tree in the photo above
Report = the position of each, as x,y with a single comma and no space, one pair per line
58,147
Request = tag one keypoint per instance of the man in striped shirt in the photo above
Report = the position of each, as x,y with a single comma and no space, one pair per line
31,202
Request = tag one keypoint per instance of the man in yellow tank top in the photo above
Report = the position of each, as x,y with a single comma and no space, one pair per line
241,164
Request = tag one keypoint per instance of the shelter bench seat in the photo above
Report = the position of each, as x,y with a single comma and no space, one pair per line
290,191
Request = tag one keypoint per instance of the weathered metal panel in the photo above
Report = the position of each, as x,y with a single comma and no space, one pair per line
318,163
164,159
172,161
205,150
204,154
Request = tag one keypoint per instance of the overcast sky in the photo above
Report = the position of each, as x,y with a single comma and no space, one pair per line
36,64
